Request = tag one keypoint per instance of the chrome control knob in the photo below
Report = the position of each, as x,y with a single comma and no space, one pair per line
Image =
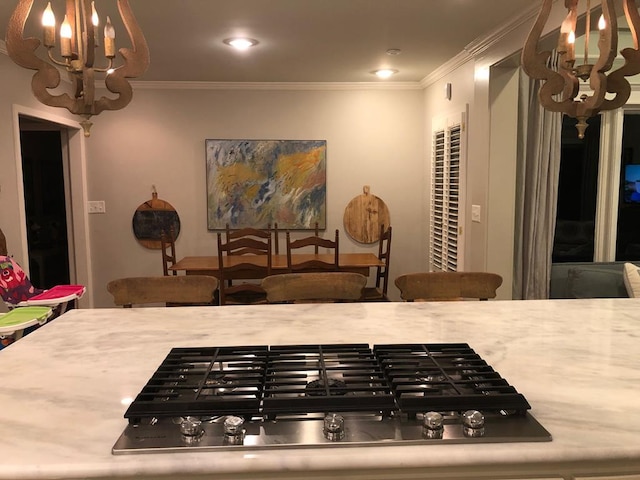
433,420
473,423
432,423
191,426
233,425
233,430
334,427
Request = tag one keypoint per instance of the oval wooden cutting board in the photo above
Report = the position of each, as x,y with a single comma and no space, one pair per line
364,215
151,219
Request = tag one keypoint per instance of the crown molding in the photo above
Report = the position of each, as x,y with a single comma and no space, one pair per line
481,45
152,85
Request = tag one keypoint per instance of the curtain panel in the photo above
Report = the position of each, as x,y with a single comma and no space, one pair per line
538,169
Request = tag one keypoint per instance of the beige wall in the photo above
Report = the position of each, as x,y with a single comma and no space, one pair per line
374,137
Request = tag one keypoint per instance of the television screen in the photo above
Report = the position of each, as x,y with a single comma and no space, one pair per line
631,191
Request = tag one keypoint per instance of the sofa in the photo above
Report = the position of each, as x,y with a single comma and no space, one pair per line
588,280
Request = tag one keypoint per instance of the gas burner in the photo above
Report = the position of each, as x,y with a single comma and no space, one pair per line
333,386
217,383
314,395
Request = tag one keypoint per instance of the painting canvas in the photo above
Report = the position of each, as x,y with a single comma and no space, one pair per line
253,183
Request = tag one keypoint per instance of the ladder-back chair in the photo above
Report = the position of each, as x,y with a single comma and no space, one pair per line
168,246
379,292
254,263
312,263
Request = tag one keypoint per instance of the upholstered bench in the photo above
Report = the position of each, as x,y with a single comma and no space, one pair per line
588,280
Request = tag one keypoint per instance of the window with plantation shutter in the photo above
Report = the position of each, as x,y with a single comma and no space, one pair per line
445,214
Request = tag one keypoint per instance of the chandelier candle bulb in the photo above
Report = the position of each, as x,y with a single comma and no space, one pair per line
109,39
572,46
65,38
95,21
94,15
49,26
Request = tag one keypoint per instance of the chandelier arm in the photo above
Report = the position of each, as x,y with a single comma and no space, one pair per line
532,61
22,51
535,64
617,82
566,52
136,62
89,40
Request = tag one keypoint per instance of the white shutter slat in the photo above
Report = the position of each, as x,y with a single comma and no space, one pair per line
445,188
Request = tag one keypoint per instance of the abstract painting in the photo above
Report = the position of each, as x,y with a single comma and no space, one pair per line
253,183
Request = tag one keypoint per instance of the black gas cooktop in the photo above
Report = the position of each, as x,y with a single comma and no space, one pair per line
324,395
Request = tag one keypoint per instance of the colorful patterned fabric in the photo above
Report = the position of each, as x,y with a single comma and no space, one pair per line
15,286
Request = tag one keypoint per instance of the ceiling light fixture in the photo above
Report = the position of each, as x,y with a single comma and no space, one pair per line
560,90
78,47
384,72
241,43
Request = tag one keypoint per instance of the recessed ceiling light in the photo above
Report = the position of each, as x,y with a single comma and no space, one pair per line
241,43
394,51
384,72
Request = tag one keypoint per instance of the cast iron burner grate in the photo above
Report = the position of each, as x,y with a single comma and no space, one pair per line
324,378
445,377
299,380
204,381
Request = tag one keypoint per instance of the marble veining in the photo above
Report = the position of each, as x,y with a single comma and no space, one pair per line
64,387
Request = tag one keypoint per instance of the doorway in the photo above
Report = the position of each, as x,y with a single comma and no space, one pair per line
44,179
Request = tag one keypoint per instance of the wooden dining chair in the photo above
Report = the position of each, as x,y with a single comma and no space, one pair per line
312,264
248,232
437,286
168,248
182,290
314,287
245,267
276,237
379,292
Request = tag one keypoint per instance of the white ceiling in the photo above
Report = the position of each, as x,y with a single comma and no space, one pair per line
301,40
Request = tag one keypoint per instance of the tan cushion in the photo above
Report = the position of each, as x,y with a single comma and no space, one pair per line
631,275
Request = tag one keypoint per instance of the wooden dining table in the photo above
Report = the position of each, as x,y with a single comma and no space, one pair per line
208,265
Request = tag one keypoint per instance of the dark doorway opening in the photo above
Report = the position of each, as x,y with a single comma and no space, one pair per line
45,205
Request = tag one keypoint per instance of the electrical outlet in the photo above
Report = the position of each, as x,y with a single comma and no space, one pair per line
475,213
97,207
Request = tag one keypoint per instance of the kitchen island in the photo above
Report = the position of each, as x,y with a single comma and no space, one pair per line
66,387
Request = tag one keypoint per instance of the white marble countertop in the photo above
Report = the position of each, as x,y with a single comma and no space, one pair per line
576,361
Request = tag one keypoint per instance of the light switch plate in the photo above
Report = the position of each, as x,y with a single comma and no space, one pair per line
97,206
475,213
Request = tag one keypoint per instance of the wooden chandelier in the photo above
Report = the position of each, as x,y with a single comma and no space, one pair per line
560,90
78,46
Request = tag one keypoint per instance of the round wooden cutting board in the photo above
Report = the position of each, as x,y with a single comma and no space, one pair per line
151,219
364,215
